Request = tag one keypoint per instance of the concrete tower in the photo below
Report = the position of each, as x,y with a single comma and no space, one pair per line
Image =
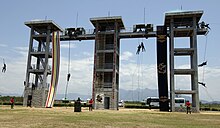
184,24
106,61
39,62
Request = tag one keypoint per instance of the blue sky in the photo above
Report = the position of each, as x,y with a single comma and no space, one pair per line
14,38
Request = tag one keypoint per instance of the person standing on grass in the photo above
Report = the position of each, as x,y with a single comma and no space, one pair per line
188,107
12,101
90,104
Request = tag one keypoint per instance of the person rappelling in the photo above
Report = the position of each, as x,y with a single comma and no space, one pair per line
68,76
138,49
142,47
202,64
204,25
201,83
4,66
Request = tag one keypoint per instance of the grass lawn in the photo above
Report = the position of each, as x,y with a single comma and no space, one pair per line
22,117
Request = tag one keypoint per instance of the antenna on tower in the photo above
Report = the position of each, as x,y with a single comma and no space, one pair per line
77,16
144,15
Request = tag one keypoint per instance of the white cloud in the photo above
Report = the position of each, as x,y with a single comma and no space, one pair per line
21,50
66,45
86,53
3,45
126,56
12,80
81,75
210,76
134,76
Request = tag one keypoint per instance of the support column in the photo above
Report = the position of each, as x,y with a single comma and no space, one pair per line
95,56
114,86
29,58
171,53
38,64
194,66
47,56
162,67
27,90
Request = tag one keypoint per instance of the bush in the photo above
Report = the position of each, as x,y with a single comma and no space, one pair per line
209,109
215,109
8,103
69,105
63,105
135,106
132,102
205,109
7,98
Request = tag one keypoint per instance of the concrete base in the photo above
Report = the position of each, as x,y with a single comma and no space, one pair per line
35,98
107,101
183,109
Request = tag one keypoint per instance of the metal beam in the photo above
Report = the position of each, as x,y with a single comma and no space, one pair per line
184,71
184,92
122,35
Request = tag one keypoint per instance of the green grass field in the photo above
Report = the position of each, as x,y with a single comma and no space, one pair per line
22,117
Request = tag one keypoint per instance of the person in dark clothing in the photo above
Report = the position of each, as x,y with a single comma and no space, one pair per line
201,83
4,68
204,25
68,76
202,64
142,47
138,49
77,105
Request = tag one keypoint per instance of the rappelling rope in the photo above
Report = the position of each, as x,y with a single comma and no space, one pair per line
203,74
204,58
68,72
136,72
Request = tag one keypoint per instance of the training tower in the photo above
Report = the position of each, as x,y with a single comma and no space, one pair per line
184,24
106,61
39,62
44,50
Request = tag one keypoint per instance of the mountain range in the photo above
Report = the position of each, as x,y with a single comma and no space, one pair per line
125,95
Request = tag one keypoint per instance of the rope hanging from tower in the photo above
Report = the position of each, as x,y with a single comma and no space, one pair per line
68,72
203,25
140,48
204,63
